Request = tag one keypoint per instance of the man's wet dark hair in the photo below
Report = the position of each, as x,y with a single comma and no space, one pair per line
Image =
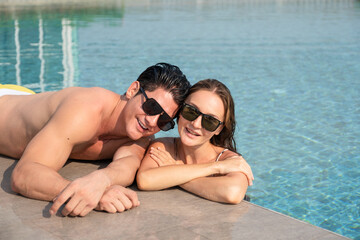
166,76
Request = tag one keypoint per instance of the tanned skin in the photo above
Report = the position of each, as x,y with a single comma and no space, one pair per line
44,130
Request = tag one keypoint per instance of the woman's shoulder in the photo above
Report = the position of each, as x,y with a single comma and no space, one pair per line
224,153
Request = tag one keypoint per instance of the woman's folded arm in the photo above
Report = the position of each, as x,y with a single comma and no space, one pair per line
157,178
230,188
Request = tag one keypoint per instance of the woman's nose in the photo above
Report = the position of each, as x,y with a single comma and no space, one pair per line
197,122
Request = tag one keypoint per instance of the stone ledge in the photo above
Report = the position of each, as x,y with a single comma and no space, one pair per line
167,214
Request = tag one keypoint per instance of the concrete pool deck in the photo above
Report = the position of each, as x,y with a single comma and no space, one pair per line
168,214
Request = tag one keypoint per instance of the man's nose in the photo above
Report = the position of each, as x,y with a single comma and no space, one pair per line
151,121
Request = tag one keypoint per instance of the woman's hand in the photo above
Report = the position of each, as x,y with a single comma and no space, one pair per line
236,164
162,157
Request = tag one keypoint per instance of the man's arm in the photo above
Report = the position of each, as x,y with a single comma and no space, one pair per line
126,161
121,171
75,122
35,175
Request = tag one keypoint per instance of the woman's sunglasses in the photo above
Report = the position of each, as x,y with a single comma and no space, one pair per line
152,107
208,122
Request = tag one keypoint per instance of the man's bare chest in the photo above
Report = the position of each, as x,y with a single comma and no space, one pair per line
103,147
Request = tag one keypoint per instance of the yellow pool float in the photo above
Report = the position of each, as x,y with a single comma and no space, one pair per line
11,89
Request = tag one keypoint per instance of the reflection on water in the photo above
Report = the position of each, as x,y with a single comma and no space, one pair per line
22,49
41,42
293,67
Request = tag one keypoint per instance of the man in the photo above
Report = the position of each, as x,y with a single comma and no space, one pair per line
46,129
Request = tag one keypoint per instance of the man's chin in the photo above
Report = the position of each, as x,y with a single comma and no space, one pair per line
147,134
133,134
136,135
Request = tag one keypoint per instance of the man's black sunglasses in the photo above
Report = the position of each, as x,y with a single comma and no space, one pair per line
208,122
152,107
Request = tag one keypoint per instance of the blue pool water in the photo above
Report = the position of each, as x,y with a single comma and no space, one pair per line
293,67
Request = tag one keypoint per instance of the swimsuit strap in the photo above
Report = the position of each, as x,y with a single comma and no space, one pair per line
218,157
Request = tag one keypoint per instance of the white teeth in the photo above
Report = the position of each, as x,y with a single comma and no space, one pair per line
142,125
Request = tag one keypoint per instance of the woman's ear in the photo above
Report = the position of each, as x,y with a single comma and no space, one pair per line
132,90
219,129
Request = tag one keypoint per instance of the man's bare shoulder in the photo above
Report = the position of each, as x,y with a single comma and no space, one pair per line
142,142
164,142
82,110
88,101
85,95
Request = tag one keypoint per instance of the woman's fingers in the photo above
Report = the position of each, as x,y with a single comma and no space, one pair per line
161,157
158,152
156,159
246,169
239,164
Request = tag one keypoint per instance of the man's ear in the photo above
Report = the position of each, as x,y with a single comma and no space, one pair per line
132,90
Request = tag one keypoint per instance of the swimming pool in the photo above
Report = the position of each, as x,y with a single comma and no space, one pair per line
293,68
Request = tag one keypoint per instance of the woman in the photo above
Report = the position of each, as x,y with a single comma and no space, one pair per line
204,159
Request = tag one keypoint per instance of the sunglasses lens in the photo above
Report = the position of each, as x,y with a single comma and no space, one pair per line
210,123
151,107
189,113
165,122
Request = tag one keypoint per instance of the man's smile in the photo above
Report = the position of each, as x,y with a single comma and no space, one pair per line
142,125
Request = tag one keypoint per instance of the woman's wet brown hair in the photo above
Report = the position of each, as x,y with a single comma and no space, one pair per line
226,137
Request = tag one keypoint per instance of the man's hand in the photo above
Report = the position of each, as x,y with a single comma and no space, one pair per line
83,195
118,199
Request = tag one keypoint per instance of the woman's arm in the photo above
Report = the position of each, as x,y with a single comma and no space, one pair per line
157,175
151,176
230,188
